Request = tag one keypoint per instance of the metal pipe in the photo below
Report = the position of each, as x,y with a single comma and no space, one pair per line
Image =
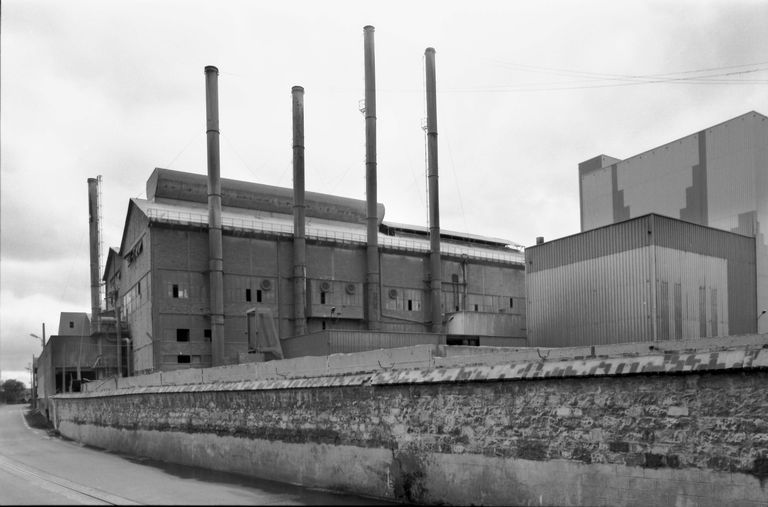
215,249
435,282
299,237
116,308
373,277
93,228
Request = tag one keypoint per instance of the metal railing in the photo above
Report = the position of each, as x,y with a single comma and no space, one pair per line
405,244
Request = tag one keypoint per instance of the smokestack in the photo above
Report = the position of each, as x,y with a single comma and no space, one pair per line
299,238
434,199
215,249
373,278
93,228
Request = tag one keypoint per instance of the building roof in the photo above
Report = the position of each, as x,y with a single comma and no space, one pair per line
166,184
186,213
452,235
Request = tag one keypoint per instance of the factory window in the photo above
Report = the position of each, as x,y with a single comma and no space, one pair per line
207,334
475,307
511,303
135,252
183,358
182,335
410,305
247,294
138,288
322,299
71,324
323,324
178,292
258,295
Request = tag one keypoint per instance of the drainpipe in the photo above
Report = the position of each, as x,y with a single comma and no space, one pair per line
299,237
434,201
373,277
215,249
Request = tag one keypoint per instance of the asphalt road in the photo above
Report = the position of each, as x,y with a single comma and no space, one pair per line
38,467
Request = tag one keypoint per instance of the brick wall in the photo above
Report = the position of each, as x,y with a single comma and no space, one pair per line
579,435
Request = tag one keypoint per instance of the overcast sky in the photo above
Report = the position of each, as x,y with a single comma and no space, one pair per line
526,91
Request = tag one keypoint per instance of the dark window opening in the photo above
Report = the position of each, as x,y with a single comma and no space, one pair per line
138,287
183,358
258,295
182,335
175,290
207,334
410,305
71,324
511,303
247,294
475,307
456,308
322,299
323,324
471,341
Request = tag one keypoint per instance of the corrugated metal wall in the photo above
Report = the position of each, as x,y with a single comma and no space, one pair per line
717,177
643,279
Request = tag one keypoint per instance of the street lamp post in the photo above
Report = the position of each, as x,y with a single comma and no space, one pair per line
42,340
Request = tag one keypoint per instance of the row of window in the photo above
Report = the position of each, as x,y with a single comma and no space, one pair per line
183,334
131,299
180,291
403,300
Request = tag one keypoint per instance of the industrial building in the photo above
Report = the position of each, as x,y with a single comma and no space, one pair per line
212,271
161,273
717,177
74,355
650,278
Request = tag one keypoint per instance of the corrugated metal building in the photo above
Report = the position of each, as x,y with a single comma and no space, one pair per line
645,279
717,177
161,274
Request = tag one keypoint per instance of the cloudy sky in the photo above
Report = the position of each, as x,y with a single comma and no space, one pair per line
526,91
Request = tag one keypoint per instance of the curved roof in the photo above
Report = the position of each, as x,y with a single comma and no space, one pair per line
182,186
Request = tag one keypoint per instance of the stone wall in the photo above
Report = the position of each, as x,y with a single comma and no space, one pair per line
663,429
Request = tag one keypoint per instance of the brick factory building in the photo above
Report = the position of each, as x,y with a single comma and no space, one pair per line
161,275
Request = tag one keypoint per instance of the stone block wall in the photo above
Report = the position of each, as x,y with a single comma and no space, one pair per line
682,429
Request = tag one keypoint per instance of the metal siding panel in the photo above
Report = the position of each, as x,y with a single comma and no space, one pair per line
595,301
598,299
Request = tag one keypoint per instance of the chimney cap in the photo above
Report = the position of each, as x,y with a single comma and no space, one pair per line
297,89
211,68
368,28
429,50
